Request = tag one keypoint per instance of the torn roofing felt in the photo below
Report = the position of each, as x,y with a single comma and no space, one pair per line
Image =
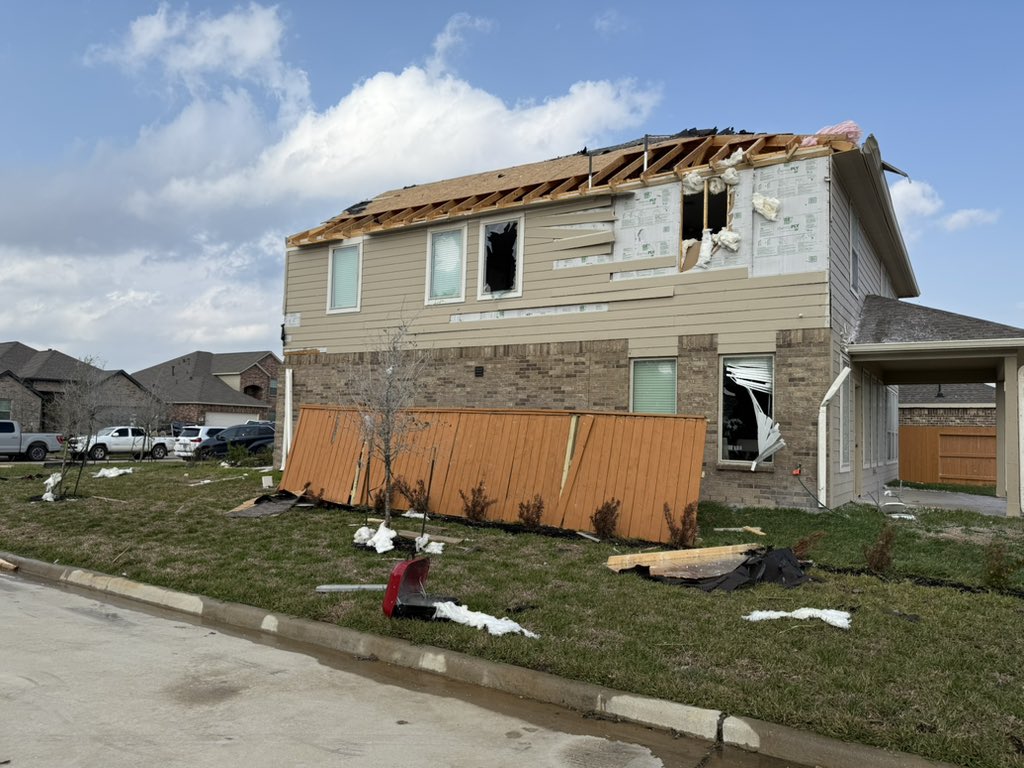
636,163
891,321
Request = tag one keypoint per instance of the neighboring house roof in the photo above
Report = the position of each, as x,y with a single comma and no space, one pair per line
644,161
47,365
14,355
237,362
890,321
953,395
10,375
190,379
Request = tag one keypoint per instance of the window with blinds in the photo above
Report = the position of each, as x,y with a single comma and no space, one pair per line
344,281
654,386
748,386
446,266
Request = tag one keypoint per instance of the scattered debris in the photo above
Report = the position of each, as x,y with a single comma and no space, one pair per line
425,545
6,565
217,480
587,536
847,129
113,472
406,595
413,535
693,183
727,239
715,185
836,618
623,562
731,176
267,481
766,206
380,541
415,515
706,246
351,587
733,160
51,482
267,505
463,615
116,501
902,516
745,529
716,568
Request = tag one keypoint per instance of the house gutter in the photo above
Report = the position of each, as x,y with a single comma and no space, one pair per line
891,349
823,434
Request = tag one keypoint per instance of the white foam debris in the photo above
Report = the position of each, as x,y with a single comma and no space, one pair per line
425,545
693,183
362,536
731,176
732,160
113,472
413,513
727,239
831,616
715,185
50,483
382,539
706,244
461,614
766,206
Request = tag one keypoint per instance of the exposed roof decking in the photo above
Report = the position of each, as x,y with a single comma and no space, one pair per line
560,178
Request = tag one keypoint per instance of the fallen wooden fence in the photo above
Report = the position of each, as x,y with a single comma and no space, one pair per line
574,460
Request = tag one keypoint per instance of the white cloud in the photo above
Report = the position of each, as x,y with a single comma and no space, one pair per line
914,200
609,22
141,253
450,38
969,217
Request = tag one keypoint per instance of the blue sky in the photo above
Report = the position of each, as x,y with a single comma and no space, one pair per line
153,156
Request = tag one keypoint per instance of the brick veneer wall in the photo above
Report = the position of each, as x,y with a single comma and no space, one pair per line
260,375
947,417
595,376
195,413
26,406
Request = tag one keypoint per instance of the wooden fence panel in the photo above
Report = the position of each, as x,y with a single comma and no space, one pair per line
574,460
948,454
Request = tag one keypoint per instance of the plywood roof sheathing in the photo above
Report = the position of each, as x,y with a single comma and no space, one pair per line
389,219
539,191
512,196
568,184
488,201
441,210
466,204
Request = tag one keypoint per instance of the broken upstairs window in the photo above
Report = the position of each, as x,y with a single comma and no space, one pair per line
702,211
749,431
501,256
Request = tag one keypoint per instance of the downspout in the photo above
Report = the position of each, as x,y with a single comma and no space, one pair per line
823,434
286,440
1020,436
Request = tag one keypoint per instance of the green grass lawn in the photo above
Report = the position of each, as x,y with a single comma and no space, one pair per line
934,670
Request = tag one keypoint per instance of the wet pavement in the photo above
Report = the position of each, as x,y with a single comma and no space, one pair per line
102,683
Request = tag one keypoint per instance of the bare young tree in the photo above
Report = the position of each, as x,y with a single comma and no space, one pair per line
383,391
75,411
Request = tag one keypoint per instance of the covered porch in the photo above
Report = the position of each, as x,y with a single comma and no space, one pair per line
901,343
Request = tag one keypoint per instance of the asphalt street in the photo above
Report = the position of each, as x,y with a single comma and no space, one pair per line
89,683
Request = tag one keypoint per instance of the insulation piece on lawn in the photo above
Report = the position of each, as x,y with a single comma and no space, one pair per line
766,206
381,540
113,472
831,616
727,239
461,614
693,183
731,176
715,185
51,482
362,536
706,244
425,545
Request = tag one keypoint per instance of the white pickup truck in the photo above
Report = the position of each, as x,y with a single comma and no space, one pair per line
27,445
131,440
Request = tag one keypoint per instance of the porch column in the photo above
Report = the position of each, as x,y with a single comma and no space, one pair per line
1001,437
1013,380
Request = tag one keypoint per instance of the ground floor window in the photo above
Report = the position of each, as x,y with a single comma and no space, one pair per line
747,423
881,422
5,409
654,386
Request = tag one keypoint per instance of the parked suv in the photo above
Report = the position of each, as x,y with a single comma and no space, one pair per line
190,438
255,437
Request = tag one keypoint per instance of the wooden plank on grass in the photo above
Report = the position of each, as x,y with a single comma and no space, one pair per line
677,556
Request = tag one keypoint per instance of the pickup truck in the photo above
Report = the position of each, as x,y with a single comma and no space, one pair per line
28,445
133,440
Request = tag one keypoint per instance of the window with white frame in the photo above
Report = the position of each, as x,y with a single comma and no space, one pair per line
881,423
5,409
747,409
501,259
446,266
653,386
344,279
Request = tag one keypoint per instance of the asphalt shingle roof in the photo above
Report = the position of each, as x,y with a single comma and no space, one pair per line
891,321
191,379
952,394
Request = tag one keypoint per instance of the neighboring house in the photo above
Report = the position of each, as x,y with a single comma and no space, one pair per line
948,405
32,382
216,389
672,275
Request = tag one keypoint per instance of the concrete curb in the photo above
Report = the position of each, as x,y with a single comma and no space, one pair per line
746,733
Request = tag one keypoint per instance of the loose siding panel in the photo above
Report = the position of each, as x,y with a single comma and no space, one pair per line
645,461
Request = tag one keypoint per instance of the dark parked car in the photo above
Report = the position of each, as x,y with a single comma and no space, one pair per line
255,437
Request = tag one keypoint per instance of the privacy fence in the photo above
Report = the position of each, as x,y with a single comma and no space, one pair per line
574,460
948,455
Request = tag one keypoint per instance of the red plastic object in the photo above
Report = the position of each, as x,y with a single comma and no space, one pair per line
406,594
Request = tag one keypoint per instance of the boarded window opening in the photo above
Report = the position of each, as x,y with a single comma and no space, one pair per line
501,257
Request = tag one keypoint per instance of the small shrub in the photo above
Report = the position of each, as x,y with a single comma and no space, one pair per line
530,512
415,495
475,506
606,518
237,455
804,546
684,533
998,569
879,554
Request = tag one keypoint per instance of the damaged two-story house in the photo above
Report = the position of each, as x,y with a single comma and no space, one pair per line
730,276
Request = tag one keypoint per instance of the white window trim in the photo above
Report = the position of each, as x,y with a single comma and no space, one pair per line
462,282
846,421
520,240
769,462
675,380
358,242
892,425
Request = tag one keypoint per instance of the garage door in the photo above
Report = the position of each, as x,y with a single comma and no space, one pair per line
225,419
